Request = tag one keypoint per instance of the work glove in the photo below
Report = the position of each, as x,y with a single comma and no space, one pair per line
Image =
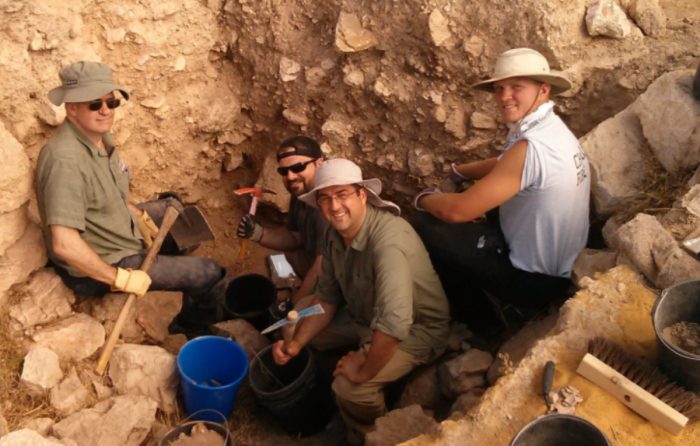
424,192
250,227
132,281
454,179
148,228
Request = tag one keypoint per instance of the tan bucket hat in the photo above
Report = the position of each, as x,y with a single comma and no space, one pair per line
524,62
341,172
84,82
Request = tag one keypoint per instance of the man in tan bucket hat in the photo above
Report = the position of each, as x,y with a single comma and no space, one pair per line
95,237
379,292
535,195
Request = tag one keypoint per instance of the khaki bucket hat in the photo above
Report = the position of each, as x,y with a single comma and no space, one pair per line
524,62
341,172
84,82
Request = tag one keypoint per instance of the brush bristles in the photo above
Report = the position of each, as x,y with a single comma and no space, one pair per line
646,376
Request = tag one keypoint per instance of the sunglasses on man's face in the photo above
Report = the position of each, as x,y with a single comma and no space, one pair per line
296,168
97,105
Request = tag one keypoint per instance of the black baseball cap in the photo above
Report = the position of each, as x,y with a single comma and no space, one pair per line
302,145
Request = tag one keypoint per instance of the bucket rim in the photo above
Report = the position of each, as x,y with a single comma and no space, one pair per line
253,313
183,426
192,382
545,417
276,392
659,331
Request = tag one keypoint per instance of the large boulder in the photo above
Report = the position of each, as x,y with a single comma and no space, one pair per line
670,118
606,18
40,425
27,437
146,370
12,225
120,421
463,373
466,401
15,173
73,338
592,261
70,396
649,17
400,425
22,259
45,298
106,310
41,371
155,312
423,388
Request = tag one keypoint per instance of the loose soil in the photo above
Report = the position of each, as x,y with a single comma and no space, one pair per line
200,436
684,335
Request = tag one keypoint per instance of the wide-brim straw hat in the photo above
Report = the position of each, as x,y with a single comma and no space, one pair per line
525,62
342,172
84,82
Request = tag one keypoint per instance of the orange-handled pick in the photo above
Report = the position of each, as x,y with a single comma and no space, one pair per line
255,192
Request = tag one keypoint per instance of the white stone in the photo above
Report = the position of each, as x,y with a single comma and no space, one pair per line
354,77
463,373
180,63
455,124
649,17
73,338
40,425
154,102
420,162
350,36
146,370
232,160
338,132
606,18
120,421
670,120
22,259
481,120
15,172
45,298
70,396
439,28
289,69
41,371
381,89
12,225
474,46
295,116
27,437
51,114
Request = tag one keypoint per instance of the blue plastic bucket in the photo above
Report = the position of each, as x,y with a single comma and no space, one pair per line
211,369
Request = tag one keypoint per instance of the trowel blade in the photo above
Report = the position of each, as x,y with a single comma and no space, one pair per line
316,309
196,233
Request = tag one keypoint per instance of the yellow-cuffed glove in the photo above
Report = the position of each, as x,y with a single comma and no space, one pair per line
148,228
132,281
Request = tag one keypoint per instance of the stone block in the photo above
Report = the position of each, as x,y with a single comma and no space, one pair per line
649,17
41,425
400,425
289,69
146,370
106,311
41,371
423,388
120,421
51,114
668,104
45,298
69,396
606,18
27,437
481,120
296,116
463,373
467,401
455,124
439,26
12,226
420,162
156,310
73,338
271,180
173,343
15,173
244,334
618,170
22,259
350,36
591,261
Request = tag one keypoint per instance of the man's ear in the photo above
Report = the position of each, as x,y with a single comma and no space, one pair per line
319,162
545,89
71,108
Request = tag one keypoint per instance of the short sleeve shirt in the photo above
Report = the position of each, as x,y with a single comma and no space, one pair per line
387,282
82,187
311,226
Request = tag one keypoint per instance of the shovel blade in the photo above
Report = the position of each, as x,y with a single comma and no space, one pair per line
196,233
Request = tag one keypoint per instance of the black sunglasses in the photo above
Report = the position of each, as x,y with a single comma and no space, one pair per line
296,168
97,105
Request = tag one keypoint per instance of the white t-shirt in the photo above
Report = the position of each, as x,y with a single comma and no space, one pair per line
546,223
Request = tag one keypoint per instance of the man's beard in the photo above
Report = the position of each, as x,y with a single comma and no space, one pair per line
296,192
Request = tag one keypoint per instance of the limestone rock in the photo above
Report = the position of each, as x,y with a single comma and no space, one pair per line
289,69
466,401
610,232
315,76
474,46
50,114
146,370
120,421
400,425
463,373
12,225
338,132
41,371
40,425
4,429
423,388
216,111
270,179
70,396
102,391
22,259
295,116
106,310
606,18
420,162
232,160
618,170
669,104
354,77
591,261
649,17
27,437
455,124
154,102
244,334
350,36
73,338
381,89
655,253
481,120
45,298
173,343
439,26
15,173
155,312
517,347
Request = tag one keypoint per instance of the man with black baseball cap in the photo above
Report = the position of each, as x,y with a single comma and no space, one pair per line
95,238
301,239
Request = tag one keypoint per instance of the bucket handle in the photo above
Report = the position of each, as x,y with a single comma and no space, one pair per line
223,423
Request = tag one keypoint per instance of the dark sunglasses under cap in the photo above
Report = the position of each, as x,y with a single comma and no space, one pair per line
296,168
97,105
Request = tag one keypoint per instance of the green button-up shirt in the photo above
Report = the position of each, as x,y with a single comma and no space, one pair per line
387,283
81,187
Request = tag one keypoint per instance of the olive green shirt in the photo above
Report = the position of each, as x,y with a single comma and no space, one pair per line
81,187
387,283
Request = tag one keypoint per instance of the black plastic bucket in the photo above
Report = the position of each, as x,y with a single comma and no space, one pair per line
186,428
678,303
293,393
560,430
249,297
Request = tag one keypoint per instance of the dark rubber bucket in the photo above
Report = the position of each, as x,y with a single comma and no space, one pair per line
186,426
560,430
678,303
293,393
249,297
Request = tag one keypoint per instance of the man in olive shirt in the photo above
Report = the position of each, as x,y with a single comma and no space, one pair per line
95,237
375,265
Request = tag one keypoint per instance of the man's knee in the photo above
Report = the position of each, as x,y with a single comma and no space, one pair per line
355,393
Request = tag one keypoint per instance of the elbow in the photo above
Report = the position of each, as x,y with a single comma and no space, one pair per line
450,216
59,248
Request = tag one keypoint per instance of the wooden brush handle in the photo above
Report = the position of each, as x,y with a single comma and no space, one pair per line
288,330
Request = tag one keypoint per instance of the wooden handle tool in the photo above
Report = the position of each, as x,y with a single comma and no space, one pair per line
288,330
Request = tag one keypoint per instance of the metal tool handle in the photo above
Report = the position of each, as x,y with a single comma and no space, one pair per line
168,220
548,381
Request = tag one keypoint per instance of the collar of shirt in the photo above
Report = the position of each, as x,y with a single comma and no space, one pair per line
360,241
106,139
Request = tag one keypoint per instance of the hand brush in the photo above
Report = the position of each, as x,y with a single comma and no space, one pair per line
639,385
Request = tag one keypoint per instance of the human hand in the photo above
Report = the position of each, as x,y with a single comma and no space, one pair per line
350,366
282,355
250,227
424,192
454,179
148,228
132,281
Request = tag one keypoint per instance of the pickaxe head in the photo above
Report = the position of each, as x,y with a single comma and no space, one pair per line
172,201
316,309
254,191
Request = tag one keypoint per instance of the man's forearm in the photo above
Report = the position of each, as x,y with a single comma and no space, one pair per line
72,248
312,325
478,169
381,351
307,286
280,239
